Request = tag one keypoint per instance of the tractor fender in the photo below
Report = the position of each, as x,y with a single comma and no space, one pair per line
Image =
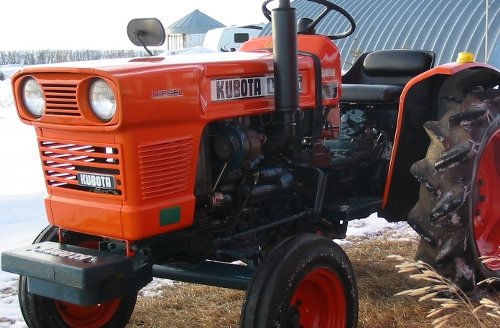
426,97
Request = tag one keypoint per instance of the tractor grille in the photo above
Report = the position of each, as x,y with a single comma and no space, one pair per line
60,99
165,167
62,161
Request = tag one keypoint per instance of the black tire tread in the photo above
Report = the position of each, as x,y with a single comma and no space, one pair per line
453,156
441,215
276,274
435,132
449,203
466,116
423,172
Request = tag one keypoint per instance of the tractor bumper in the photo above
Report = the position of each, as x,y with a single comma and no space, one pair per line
73,274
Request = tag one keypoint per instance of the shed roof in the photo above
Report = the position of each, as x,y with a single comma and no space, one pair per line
443,26
194,23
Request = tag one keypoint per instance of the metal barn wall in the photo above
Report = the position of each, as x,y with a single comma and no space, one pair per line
181,41
443,26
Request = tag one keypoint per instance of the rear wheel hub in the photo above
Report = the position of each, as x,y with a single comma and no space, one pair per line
486,210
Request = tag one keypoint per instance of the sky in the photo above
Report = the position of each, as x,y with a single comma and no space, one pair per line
102,24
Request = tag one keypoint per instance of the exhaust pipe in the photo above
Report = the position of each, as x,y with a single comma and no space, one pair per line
286,74
286,77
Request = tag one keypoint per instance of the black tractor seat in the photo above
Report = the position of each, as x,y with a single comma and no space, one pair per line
371,93
378,77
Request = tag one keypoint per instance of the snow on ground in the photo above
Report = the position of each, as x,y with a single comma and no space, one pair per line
22,214
375,226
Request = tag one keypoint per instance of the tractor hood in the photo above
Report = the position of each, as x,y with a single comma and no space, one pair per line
155,90
207,85
126,66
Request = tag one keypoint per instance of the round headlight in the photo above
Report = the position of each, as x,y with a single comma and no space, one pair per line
33,97
102,100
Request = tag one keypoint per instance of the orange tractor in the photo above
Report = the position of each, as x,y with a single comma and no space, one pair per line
178,166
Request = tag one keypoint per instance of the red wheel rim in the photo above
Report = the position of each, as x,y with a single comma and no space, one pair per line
486,211
87,316
321,300
77,316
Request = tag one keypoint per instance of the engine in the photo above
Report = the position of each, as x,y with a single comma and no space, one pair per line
355,141
240,182
242,187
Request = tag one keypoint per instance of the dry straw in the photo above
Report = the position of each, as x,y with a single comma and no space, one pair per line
450,300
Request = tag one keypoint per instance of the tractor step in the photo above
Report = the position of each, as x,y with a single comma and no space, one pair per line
351,208
70,273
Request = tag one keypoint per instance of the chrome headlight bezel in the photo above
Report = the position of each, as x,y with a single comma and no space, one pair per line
33,97
102,100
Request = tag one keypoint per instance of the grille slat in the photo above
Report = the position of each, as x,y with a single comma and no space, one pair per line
160,192
162,184
64,112
60,95
69,180
61,99
158,163
60,86
152,175
87,161
170,155
170,151
84,150
165,167
52,170
62,105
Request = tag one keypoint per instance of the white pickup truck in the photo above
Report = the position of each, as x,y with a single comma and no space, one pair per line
226,39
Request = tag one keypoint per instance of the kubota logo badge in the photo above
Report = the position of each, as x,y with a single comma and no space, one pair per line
245,87
248,87
96,180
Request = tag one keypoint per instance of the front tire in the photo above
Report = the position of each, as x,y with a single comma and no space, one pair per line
306,281
43,312
457,214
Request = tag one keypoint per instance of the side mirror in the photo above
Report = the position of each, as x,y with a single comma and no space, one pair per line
146,32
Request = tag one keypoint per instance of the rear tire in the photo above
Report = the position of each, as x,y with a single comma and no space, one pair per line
43,312
485,204
457,214
306,281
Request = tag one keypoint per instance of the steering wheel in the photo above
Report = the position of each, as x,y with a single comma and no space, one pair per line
266,12
307,26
